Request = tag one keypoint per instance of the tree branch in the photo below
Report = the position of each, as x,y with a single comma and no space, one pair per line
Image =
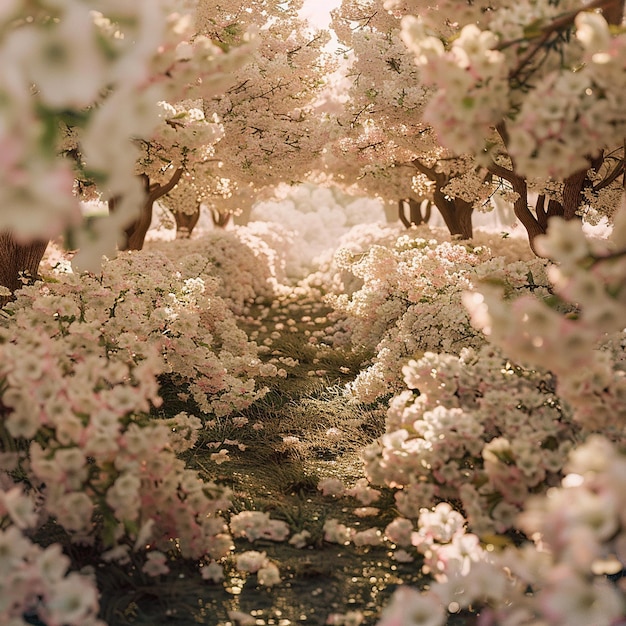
159,191
612,176
502,172
611,9
424,169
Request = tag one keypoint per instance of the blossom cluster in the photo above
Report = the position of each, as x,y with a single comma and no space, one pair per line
474,430
183,137
247,262
471,78
569,115
93,71
568,571
410,300
561,485
580,337
552,71
143,302
257,563
255,525
34,581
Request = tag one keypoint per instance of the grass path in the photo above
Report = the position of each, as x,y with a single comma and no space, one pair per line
309,432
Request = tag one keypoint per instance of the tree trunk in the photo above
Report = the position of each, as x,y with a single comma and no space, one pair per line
402,214
523,213
427,210
18,260
220,220
136,232
543,215
573,187
464,211
186,222
456,213
415,212
573,193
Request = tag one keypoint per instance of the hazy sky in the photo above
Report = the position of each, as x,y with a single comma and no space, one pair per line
317,11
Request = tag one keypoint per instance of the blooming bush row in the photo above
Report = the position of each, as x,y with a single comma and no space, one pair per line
474,430
410,300
76,404
529,525
569,571
520,455
143,302
248,261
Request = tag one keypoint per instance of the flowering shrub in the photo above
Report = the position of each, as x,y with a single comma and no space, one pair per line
334,274
318,218
410,301
245,265
75,398
584,348
568,572
271,243
35,581
144,306
101,470
475,430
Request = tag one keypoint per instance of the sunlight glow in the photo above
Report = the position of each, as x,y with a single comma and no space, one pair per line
318,11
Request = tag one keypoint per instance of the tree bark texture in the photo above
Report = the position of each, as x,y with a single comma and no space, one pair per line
186,222
534,225
17,258
415,211
136,232
456,213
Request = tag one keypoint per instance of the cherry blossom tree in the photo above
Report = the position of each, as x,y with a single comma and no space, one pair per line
534,91
185,199
202,186
274,130
87,75
182,137
458,118
272,127
383,145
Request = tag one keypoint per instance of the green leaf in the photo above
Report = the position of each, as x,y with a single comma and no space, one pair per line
534,29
